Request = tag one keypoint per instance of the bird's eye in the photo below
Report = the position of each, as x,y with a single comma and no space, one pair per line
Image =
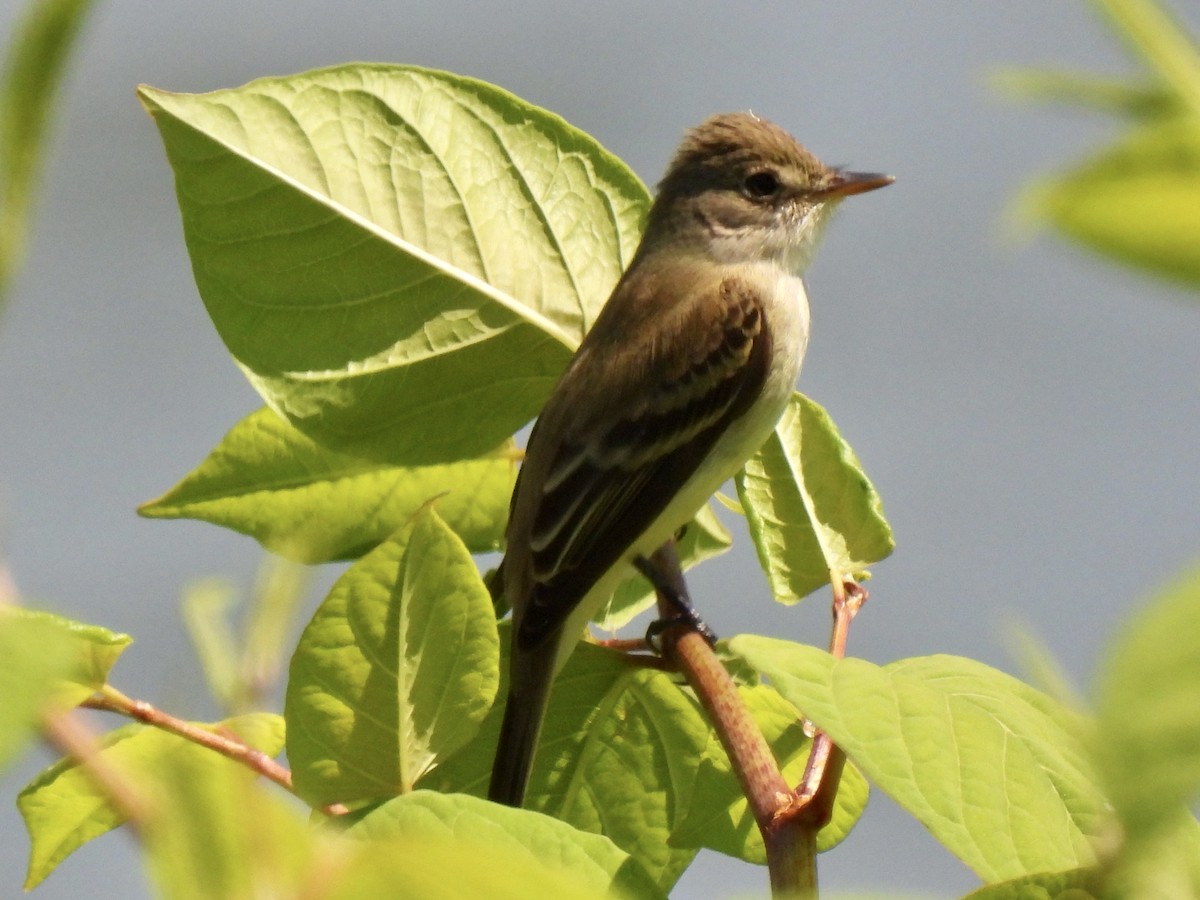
761,185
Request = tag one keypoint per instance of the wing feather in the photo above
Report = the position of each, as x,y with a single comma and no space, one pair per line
609,479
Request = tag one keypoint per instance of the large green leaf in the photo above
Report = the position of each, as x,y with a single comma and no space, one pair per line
312,504
395,670
993,768
63,808
1138,201
401,260
32,73
595,864
811,508
1148,742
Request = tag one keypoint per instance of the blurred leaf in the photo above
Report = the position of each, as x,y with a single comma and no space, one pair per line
216,832
718,816
810,506
1151,31
1141,101
1074,884
994,769
82,655
1138,201
1149,721
221,835
591,862
456,240
1166,864
704,538
33,67
63,809
312,504
445,869
205,608
38,657
95,648
395,670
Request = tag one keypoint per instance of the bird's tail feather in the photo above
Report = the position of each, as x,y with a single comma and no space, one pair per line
523,714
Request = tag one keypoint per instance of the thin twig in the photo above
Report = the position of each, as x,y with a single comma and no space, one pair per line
817,791
229,745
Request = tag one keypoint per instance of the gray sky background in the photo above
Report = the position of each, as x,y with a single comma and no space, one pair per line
1029,414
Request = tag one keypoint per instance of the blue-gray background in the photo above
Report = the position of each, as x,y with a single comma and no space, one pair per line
1028,413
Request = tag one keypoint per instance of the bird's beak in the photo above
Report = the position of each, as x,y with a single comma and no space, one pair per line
843,184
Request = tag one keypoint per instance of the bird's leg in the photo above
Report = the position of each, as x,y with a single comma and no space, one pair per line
662,570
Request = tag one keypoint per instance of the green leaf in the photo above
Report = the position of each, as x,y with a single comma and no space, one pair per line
590,862
455,240
1151,31
1165,864
95,649
32,73
395,670
47,662
312,504
38,657
218,833
1138,201
205,607
1148,744
994,769
704,538
63,809
215,831
719,817
811,509
442,869
619,755
1109,95
1075,884
627,753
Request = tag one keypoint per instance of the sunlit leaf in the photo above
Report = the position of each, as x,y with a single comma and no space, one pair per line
312,504
993,768
401,260
812,510
395,670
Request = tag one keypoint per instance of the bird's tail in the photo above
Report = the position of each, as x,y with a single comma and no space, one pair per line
531,675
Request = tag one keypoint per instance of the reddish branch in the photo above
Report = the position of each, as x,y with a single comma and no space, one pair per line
788,820
222,741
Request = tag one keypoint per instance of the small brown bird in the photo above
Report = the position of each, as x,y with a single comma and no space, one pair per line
683,376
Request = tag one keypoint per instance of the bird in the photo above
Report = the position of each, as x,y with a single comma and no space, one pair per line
682,377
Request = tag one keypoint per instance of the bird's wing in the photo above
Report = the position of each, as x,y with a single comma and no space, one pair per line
609,477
